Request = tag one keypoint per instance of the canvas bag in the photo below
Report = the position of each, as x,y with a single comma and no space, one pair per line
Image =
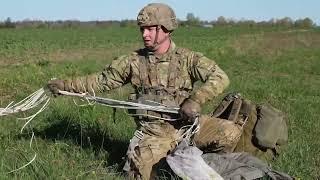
265,129
271,127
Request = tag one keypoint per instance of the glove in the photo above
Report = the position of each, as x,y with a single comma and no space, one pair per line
190,109
55,85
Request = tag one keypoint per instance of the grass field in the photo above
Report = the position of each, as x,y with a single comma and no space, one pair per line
279,66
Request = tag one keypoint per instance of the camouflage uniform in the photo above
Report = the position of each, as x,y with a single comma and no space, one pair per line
168,79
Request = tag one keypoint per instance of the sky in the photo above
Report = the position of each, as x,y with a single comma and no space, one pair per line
86,10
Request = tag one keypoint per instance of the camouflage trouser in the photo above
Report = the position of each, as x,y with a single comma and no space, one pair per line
150,144
154,141
217,134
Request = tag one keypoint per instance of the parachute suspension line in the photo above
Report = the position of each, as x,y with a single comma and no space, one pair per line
27,164
39,97
191,130
30,118
151,116
122,104
89,102
187,131
4,110
32,101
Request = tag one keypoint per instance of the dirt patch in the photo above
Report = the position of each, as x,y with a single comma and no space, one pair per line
273,44
66,55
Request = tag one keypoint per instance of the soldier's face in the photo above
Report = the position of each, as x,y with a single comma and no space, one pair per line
149,36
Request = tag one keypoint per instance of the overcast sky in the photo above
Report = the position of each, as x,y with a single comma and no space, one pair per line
127,9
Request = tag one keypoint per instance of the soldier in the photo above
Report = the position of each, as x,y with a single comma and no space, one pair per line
161,72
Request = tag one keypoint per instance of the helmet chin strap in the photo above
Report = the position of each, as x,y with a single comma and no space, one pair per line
156,43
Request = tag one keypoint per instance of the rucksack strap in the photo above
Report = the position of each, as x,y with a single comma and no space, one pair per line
222,106
235,109
229,108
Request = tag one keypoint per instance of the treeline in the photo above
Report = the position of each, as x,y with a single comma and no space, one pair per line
222,21
64,23
191,20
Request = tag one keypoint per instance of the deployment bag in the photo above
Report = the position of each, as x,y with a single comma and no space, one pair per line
271,128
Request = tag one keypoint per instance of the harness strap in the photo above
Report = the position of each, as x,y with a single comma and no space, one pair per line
174,69
152,71
149,80
143,73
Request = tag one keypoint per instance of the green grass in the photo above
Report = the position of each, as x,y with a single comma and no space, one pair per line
279,66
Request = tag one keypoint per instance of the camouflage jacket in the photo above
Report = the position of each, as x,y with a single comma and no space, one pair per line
172,75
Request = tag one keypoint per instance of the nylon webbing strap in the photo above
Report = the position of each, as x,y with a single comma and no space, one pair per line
173,71
143,73
152,71
230,106
235,109
223,106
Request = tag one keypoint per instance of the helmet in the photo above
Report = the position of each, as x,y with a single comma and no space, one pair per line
157,14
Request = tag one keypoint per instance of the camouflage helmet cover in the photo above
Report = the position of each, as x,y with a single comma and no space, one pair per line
157,14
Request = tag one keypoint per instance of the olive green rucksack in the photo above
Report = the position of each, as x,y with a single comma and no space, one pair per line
265,129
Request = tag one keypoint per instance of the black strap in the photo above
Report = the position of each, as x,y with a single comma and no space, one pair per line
229,108
223,106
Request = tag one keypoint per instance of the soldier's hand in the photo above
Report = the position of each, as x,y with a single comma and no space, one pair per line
190,109
55,85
